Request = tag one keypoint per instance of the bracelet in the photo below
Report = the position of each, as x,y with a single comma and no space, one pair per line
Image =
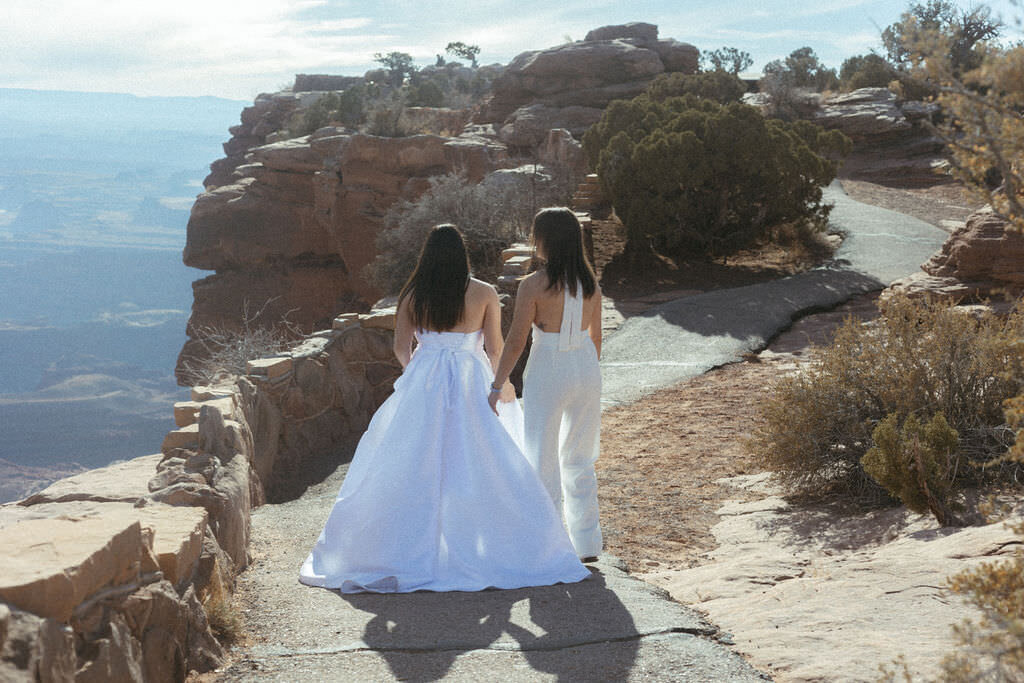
495,390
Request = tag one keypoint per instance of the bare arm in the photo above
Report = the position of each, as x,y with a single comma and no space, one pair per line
493,343
403,333
595,321
519,331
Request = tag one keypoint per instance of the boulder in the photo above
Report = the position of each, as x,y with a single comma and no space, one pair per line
560,150
579,66
984,250
34,648
638,32
123,481
529,126
865,114
476,152
677,56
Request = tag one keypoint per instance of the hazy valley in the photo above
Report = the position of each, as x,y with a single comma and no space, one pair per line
95,192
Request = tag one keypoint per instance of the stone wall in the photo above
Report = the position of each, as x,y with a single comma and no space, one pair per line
107,575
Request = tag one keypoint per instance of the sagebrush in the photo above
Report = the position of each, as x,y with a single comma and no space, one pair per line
491,216
918,358
226,350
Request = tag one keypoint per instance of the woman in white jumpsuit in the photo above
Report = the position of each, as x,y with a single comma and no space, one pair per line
561,302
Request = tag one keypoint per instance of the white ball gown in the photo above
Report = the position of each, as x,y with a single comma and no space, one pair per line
439,496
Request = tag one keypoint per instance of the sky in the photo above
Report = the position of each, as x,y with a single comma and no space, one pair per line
237,49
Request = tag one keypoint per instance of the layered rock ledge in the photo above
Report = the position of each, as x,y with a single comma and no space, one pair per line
109,575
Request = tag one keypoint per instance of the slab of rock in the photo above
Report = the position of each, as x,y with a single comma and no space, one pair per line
123,481
816,593
867,113
50,566
983,250
171,539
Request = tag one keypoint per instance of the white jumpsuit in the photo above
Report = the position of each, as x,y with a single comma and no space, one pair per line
562,411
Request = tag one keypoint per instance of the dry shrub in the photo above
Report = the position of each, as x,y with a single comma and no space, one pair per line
918,358
226,350
224,618
491,216
913,463
991,649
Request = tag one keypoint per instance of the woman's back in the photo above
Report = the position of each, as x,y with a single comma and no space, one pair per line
549,304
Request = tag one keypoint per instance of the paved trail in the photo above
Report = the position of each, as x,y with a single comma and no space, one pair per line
689,336
610,627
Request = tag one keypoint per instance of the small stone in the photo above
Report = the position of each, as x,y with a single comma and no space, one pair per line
270,367
186,437
382,319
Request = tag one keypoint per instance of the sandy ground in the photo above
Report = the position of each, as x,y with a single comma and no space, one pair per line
662,457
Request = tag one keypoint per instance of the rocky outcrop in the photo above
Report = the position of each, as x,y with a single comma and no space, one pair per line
288,225
105,575
983,258
103,591
268,114
985,249
612,62
292,232
892,143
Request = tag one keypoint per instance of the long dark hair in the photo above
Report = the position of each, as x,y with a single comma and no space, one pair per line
557,232
437,288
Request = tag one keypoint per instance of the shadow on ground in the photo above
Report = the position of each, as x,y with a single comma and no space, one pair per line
449,624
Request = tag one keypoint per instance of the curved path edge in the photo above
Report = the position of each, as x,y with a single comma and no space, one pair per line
686,337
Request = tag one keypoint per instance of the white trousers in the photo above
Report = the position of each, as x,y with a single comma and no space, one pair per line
562,413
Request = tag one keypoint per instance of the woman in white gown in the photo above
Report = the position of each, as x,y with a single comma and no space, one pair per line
439,495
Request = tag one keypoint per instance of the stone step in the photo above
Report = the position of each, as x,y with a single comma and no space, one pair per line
516,250
272,368
186,437
187,412
517,265
62,554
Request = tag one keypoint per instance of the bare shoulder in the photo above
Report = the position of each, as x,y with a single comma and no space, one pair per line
481,289
532,283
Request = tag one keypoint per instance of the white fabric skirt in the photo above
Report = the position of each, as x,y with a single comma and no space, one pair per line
439,495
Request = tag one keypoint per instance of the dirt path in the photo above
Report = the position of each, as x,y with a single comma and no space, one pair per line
662,457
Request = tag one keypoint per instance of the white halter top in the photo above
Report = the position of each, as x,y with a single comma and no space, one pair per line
570,336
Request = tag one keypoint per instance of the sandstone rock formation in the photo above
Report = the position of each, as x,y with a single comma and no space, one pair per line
288,225
105,575
101,591
815,593
981,259
293,231
892,144
612,62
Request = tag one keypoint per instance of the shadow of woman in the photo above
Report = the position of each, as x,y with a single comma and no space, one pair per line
421,634
588,634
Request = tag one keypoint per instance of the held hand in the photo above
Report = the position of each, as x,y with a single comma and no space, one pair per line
508,392
492,399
